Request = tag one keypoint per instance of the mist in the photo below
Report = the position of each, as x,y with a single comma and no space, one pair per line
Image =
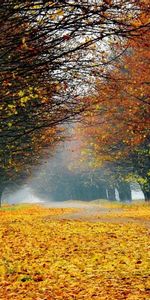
55,183
24,195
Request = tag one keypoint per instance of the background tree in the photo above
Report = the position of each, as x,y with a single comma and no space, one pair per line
57,182
117,127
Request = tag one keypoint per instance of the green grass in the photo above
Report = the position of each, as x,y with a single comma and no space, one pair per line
12,207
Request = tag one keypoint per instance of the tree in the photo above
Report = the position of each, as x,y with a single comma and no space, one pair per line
46,49
139,159
117,126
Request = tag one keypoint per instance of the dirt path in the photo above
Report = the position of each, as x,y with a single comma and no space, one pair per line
94,213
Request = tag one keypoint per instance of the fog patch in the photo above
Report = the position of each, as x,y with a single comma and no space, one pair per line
23,195
137,195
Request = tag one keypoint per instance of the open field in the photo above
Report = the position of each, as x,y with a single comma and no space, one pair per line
99,252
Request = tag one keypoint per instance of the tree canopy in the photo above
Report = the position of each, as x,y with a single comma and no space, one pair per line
51,53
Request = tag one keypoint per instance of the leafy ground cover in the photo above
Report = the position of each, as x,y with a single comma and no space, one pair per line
44,258
135,210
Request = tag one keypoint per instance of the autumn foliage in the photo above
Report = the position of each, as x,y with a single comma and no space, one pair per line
115,131
121,103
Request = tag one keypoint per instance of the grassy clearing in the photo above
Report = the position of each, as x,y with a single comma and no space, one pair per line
14,207
117,204
46,259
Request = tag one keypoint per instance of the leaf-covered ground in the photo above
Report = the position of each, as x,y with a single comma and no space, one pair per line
44,258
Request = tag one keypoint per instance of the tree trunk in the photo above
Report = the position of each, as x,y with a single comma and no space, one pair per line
147,196
146,191
111,195
1,192
124,191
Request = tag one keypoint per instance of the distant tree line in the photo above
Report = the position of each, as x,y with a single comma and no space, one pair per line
57,182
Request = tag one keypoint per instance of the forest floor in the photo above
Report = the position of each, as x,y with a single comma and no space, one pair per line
92,251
